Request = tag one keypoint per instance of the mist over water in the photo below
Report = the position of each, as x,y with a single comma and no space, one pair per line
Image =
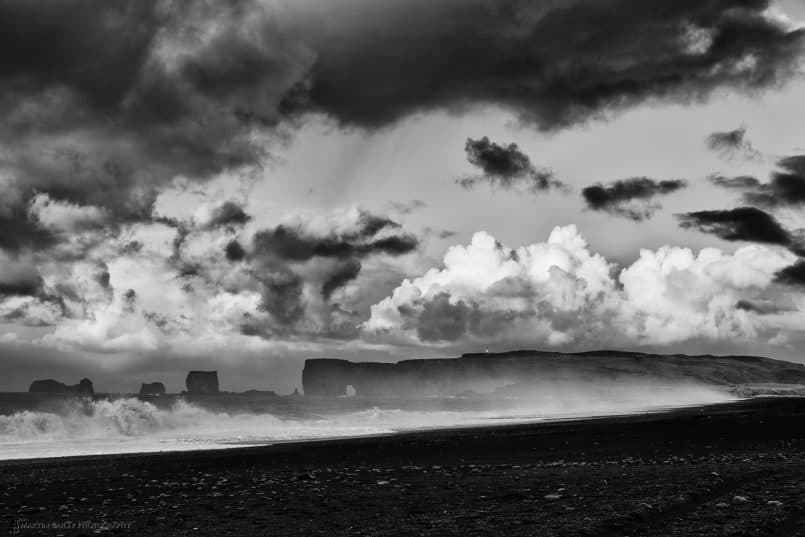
126,425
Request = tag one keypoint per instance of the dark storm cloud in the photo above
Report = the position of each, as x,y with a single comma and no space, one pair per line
506,162
794,165
60,43
296,268
738,182
228,214
103,103
106,102
279,256
555,64
618,197
130,300
786,186
505,166
56,78
394,245
732,143
234,251
282,297
726,140
51,308
742,224
294,244
19,276
370,225
23,286
103,277
343,274
792,275
18,232
762,308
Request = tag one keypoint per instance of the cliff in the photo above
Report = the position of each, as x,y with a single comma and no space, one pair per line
489,372
202,382
84,387
151,389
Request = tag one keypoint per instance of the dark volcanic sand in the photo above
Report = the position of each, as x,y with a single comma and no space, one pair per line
732,470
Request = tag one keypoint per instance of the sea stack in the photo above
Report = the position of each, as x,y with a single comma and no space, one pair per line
202,382
151,389
84,387
53,386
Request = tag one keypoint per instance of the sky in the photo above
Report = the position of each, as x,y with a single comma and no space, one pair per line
245,184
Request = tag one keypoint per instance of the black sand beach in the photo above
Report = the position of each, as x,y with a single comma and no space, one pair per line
726,470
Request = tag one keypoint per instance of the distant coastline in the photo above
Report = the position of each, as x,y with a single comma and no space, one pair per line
456,375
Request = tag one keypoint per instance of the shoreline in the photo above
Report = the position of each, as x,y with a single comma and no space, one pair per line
492,423
735,469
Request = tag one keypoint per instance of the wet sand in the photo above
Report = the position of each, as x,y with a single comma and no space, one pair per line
736,469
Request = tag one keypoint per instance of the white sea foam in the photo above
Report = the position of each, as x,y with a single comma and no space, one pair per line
129,425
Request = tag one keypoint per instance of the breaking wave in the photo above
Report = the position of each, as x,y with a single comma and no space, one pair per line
119,418
83,427
131,418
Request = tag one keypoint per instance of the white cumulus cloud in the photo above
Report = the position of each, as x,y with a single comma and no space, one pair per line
559,293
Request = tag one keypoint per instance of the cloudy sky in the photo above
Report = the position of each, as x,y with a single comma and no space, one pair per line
243,184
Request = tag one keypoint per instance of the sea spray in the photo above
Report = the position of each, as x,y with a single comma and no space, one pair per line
119,425
116,418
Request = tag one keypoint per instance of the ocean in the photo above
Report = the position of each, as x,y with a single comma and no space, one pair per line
34,425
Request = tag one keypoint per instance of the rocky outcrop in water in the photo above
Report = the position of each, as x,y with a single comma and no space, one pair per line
520,370
84,387
152,389
260,393
202,382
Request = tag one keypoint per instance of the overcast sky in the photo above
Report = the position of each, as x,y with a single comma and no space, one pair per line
242,185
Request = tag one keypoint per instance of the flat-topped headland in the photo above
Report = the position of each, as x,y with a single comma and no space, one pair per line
510,373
